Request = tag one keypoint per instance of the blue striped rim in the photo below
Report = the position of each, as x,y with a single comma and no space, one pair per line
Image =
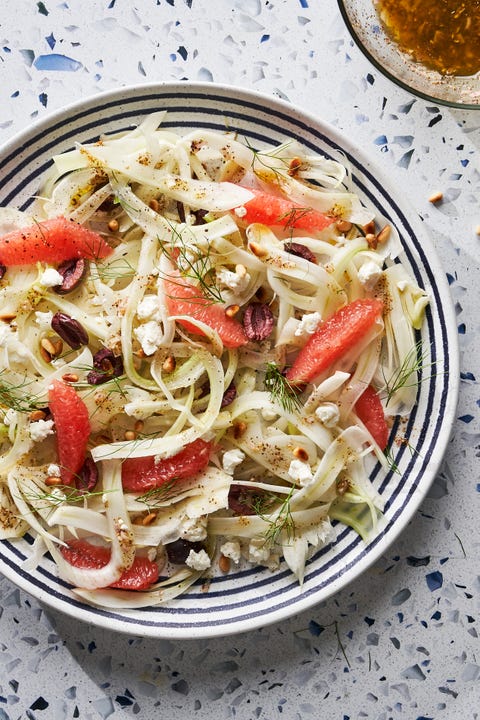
381,199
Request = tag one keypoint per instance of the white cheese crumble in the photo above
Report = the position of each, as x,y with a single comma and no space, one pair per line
258,551
53,470
231,549
240,211
198,560
231,459
40,429
238,282
50,278
43,319
300,472
308,324
150,336
369,274
148,307
328,414
194,529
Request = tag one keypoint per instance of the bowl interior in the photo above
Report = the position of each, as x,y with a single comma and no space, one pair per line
250,598
367,30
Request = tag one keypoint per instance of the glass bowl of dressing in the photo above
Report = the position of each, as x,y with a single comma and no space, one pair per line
429,47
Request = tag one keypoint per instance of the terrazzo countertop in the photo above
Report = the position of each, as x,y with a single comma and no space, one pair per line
402,640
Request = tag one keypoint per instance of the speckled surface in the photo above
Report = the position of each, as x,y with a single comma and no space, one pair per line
401,641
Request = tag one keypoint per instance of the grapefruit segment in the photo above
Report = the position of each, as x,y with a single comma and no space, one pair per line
271,209
72,425
83,554
144,474
53,240
333,338
182,298
370,411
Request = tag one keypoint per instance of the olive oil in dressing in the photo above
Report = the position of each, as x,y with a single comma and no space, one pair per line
443,35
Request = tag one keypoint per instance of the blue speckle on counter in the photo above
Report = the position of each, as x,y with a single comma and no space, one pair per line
434,580
56,62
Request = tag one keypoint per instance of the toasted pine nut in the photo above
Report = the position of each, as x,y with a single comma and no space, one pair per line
49,346
371,240
224,563
301,454
239,429
139,425
70,378
148,519
232,310
113,225
37,415
343,226
294,166
7,317
384,234
240,270
369,227
154,205
257,249
45,354
130,435
169,364
436,197
52,480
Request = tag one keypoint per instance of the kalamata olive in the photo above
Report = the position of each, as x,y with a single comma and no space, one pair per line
72,272
3,270
258,321
245,500
69,330
106,366
87,477
300,251
229,395
179,550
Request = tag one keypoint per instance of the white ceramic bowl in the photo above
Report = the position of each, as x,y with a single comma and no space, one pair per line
363,22
247,599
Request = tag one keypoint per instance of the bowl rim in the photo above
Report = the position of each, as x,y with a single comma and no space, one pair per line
238,94
392,77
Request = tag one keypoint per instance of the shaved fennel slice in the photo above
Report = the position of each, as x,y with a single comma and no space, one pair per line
119,533
11,523
306,539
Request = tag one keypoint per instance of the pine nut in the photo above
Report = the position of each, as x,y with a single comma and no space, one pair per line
52,480
301,454
148,519
169,364
232,310
371,240
45,355
154,205
343,226
239,429
130,435
37,415
369,227
436,197
113,225
49,346
257,249
7,317
70,378
384,234
224,563
139,425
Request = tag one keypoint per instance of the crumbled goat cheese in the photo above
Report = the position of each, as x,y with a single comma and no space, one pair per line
369,274
40,429
300,471
53,471
198,560
231,459
240,211
44,319
194,529
50,278
258,551
328,414
150,336
238,282
308,324
148,307
231,549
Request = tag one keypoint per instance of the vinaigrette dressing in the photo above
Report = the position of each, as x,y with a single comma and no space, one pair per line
443,35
